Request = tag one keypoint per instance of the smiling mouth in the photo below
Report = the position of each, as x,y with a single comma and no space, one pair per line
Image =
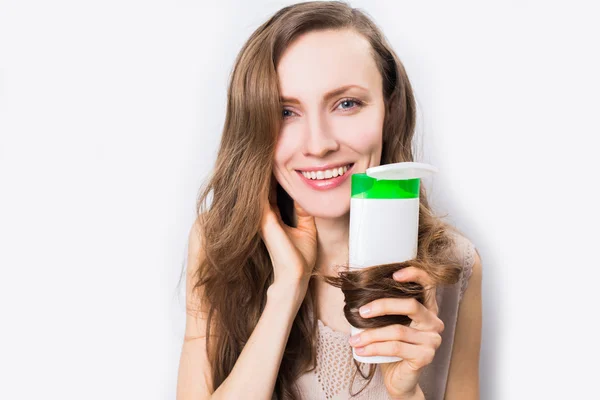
327,173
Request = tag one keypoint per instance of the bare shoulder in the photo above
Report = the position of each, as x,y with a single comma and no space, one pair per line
463,377
195,303
194,379
195,236
472,293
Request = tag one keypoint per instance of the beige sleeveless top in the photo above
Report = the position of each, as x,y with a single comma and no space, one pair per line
332,377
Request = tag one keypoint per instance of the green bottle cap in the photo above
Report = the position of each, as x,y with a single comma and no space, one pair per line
390,181
365,187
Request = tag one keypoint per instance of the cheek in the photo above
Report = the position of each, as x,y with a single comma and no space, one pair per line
287,149
367,142
283,151
364,136
363,132
288,144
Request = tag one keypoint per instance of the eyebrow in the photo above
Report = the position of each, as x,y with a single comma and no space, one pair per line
328,95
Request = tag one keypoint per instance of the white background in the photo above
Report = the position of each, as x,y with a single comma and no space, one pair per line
110,116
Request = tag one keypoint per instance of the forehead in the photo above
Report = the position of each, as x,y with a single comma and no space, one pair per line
319,61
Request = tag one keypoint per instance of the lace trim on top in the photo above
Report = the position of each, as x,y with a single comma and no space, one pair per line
334,360
468,261
335,367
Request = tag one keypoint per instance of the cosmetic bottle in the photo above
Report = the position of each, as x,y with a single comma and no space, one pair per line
384,221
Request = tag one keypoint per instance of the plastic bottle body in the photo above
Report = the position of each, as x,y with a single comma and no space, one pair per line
384,221
382,231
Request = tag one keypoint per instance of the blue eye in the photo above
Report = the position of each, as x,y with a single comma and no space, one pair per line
351,101
346,102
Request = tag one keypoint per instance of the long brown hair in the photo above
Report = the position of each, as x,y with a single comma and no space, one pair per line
236,270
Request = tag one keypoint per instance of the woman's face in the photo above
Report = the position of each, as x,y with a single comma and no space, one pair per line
332,119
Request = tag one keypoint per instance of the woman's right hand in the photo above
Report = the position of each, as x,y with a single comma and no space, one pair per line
293,251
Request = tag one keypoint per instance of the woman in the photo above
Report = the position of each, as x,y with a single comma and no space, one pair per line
316,95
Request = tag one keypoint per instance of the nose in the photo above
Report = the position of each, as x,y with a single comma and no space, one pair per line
319,139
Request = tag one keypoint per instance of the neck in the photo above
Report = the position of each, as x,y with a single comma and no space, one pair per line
332,243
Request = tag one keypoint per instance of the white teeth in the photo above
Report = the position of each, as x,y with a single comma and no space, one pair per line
327,174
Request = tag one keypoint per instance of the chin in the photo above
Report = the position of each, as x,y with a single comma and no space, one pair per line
328,210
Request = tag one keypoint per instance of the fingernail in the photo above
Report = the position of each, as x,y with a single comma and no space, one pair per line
354,339
398,274
365,310
359,350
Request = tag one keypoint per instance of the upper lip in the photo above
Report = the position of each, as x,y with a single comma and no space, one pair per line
324,167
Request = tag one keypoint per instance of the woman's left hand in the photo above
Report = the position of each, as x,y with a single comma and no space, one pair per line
416,344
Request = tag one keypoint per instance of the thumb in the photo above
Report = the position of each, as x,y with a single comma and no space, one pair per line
305,220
